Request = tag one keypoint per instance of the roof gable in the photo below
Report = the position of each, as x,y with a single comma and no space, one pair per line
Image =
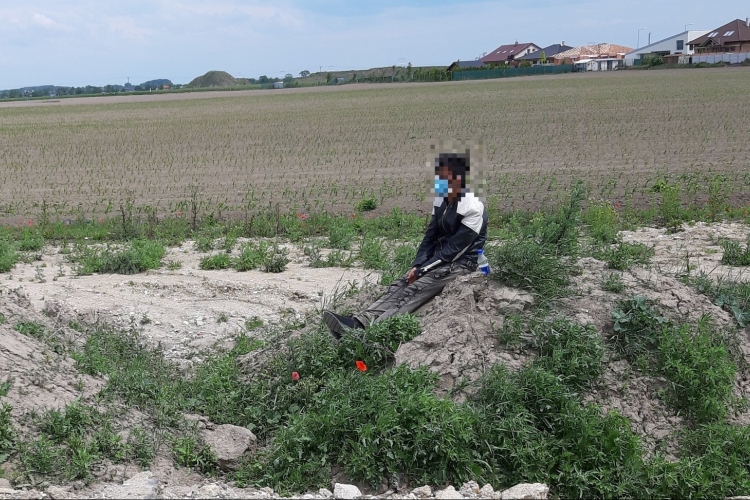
550,51
507,52
732,32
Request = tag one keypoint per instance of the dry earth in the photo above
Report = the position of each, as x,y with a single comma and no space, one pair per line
458,341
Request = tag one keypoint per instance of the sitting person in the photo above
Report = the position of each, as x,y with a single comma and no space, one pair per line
449,249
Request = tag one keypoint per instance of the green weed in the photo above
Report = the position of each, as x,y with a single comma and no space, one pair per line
8,256
366,205
31,329
624,255
8,434
218,261
136,257
570,351
378,343
734,254
189,452
603,222
613,283
251,256
528,265
637,327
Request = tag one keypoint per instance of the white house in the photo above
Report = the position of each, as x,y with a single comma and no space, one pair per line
676,44
606,64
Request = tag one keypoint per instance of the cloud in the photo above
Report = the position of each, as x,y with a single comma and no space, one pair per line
46,22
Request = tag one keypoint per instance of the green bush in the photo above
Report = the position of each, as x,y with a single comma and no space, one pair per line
734,254
637,327
366,204
378,343
603,222
570,351
30,241
251,256
189,452
8,434
218,261
135,257
8,256
624,255
527,264
373,253
375,427
30,328
275,259
700,371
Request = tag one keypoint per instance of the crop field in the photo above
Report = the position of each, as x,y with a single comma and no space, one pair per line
324,150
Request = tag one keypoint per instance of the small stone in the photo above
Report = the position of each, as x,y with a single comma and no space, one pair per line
5,484
448,493
325,493
422,492
58,493
346,491
141,486
470,489
526,491
487,491
267,490
229,443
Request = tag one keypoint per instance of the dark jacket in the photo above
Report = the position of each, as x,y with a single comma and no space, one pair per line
455,234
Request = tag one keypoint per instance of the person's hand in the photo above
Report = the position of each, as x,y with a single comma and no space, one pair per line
412,276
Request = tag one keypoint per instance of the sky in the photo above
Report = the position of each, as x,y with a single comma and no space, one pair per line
87,42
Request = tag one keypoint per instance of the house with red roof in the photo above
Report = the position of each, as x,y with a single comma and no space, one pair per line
731,37
507,54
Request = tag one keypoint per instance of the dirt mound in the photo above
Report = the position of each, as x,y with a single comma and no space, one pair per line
39,377
213,79
459,331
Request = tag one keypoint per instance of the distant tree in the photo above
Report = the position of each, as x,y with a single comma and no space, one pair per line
304,73
525,64
409,71
288,78
263,79
328,77
543,58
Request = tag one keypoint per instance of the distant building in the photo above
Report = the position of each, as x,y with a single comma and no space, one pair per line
278,85
593,51
549,52
506,54
605,64
680,43
732,37
459,65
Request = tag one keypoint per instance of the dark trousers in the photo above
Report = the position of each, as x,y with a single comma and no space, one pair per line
403,298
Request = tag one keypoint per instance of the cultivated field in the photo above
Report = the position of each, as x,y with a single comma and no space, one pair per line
325,149
151,350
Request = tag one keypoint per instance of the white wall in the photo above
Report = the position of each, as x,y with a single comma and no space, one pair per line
666,45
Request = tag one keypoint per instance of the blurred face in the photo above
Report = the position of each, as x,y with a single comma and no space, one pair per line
454,182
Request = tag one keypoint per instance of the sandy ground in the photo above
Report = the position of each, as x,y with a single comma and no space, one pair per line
180,309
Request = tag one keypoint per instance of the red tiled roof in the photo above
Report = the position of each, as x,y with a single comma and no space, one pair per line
505,53
733,32
594,51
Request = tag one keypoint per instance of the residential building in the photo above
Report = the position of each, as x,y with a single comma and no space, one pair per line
605,64
549,52
459,65
593,51
674,45
506,54
732,37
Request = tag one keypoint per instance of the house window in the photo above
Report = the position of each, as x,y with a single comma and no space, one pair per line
729,33
680,44
711,35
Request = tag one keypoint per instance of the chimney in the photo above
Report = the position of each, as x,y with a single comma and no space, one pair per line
516,42
747,22
563,43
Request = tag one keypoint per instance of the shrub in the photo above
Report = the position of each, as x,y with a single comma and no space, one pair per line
251,256
637,327
699,369
366,204
8,256
218,261
8,433
136,257
373,253
275,259
30,241
570,351
527,264
734,254
603,222
613,283
378,343
624,254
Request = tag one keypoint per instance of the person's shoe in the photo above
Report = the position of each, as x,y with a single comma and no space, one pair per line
338,324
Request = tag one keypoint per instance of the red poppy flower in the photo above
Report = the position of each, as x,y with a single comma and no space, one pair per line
361,366
295,376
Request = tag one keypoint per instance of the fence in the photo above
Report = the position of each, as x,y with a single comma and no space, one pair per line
727,57
484,74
